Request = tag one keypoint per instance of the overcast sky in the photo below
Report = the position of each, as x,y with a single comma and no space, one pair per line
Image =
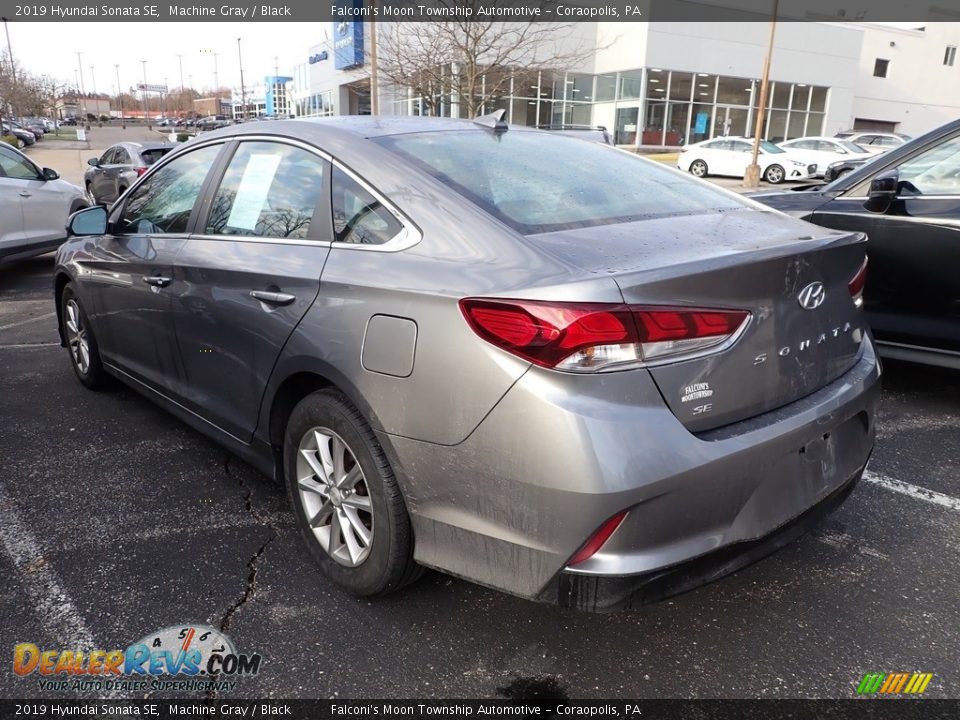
51,49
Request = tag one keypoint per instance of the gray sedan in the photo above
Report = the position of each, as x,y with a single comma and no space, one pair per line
544,365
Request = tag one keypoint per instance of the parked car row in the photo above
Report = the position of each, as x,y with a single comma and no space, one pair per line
109,176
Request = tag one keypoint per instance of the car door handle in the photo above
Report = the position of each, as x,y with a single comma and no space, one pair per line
157,280
26,194
272,298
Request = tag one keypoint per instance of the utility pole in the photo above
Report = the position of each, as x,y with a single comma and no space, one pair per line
96,98
216,83
146,115
243,90
13,65
374,80
83,94
180,99
751,178
123,120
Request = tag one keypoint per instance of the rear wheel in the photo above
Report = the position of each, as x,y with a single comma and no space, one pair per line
347,504
81,342
774,174
20,143
698,168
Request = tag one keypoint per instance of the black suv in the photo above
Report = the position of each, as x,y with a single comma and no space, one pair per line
907,201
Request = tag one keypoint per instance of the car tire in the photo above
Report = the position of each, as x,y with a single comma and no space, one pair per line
774,174
81,342
346,500
698,168
20,143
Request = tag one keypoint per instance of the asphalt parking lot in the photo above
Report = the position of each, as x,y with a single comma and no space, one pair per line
117,520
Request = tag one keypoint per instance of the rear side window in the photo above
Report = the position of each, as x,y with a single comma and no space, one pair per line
358,217
149,157
540,182
269,190
164,201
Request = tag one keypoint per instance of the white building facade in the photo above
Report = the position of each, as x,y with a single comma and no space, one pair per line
665,84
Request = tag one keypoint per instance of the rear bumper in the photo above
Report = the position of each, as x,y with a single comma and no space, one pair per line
605,593
561,453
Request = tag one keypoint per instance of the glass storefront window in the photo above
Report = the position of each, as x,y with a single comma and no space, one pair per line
777,125
657,84
681,85
815,124
677,119
579,87
629,86
700,120
780,97
795,127
733,91
706,88
818,99
653,123
606,88
801,94
625,132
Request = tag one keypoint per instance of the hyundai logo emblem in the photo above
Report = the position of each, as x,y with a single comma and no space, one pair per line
812,296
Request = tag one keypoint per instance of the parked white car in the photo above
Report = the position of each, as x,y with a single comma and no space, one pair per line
731,155
823,151
874,142
34,206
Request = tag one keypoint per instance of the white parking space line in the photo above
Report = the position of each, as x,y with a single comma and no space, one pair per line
29,345
28,321
914,491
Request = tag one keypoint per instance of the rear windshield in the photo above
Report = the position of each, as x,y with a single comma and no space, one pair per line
151,156
851,147
541,182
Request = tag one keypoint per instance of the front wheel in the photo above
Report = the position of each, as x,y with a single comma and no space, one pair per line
345,497
698,168
774,174
81,342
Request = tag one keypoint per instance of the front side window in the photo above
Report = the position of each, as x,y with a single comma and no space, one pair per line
541,182
107,157
269,190
770,148
122,157
164,201
14,166
358,217
934,172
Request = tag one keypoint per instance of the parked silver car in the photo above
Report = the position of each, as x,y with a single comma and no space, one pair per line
34,206
544,365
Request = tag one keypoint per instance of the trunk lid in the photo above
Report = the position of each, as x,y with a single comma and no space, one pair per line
738,260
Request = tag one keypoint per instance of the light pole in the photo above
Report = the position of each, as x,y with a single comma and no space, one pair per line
123,120
13,65
96,98
180,98
751,177
83,94
374,78
243,91
146,115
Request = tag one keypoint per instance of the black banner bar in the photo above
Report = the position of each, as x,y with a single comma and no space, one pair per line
919,11
868,708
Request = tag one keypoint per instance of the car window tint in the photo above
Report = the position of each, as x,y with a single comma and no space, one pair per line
934,172
888,141
740,146
540,182
149,157
269,190
358,217
17,167
163,202
122,157
107,157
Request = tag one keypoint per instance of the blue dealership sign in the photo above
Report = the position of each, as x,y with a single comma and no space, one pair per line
700,126
348,37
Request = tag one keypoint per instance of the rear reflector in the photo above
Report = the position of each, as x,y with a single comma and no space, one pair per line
597,540
585,337
141,171
857,283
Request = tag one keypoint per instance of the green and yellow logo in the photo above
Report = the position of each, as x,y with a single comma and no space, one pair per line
894,683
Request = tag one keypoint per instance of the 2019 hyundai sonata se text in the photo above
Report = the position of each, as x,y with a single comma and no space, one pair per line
538,363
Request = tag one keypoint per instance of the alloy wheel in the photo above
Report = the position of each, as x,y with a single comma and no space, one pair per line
335,498
774,174
77,339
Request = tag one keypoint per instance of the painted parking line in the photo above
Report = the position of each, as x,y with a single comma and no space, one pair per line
914,491
39,580
28,321
20,346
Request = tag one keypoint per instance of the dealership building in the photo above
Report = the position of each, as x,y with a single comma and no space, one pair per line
666,83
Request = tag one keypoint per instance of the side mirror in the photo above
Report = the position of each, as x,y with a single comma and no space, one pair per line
883,188
50,174
89,221
95,162
841,151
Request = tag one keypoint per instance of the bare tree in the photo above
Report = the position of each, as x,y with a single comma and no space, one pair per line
473,60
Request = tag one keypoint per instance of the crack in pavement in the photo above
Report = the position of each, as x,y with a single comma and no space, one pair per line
253,565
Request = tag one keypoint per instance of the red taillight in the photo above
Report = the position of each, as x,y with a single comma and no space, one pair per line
857,283
590,336
141,171
597,540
